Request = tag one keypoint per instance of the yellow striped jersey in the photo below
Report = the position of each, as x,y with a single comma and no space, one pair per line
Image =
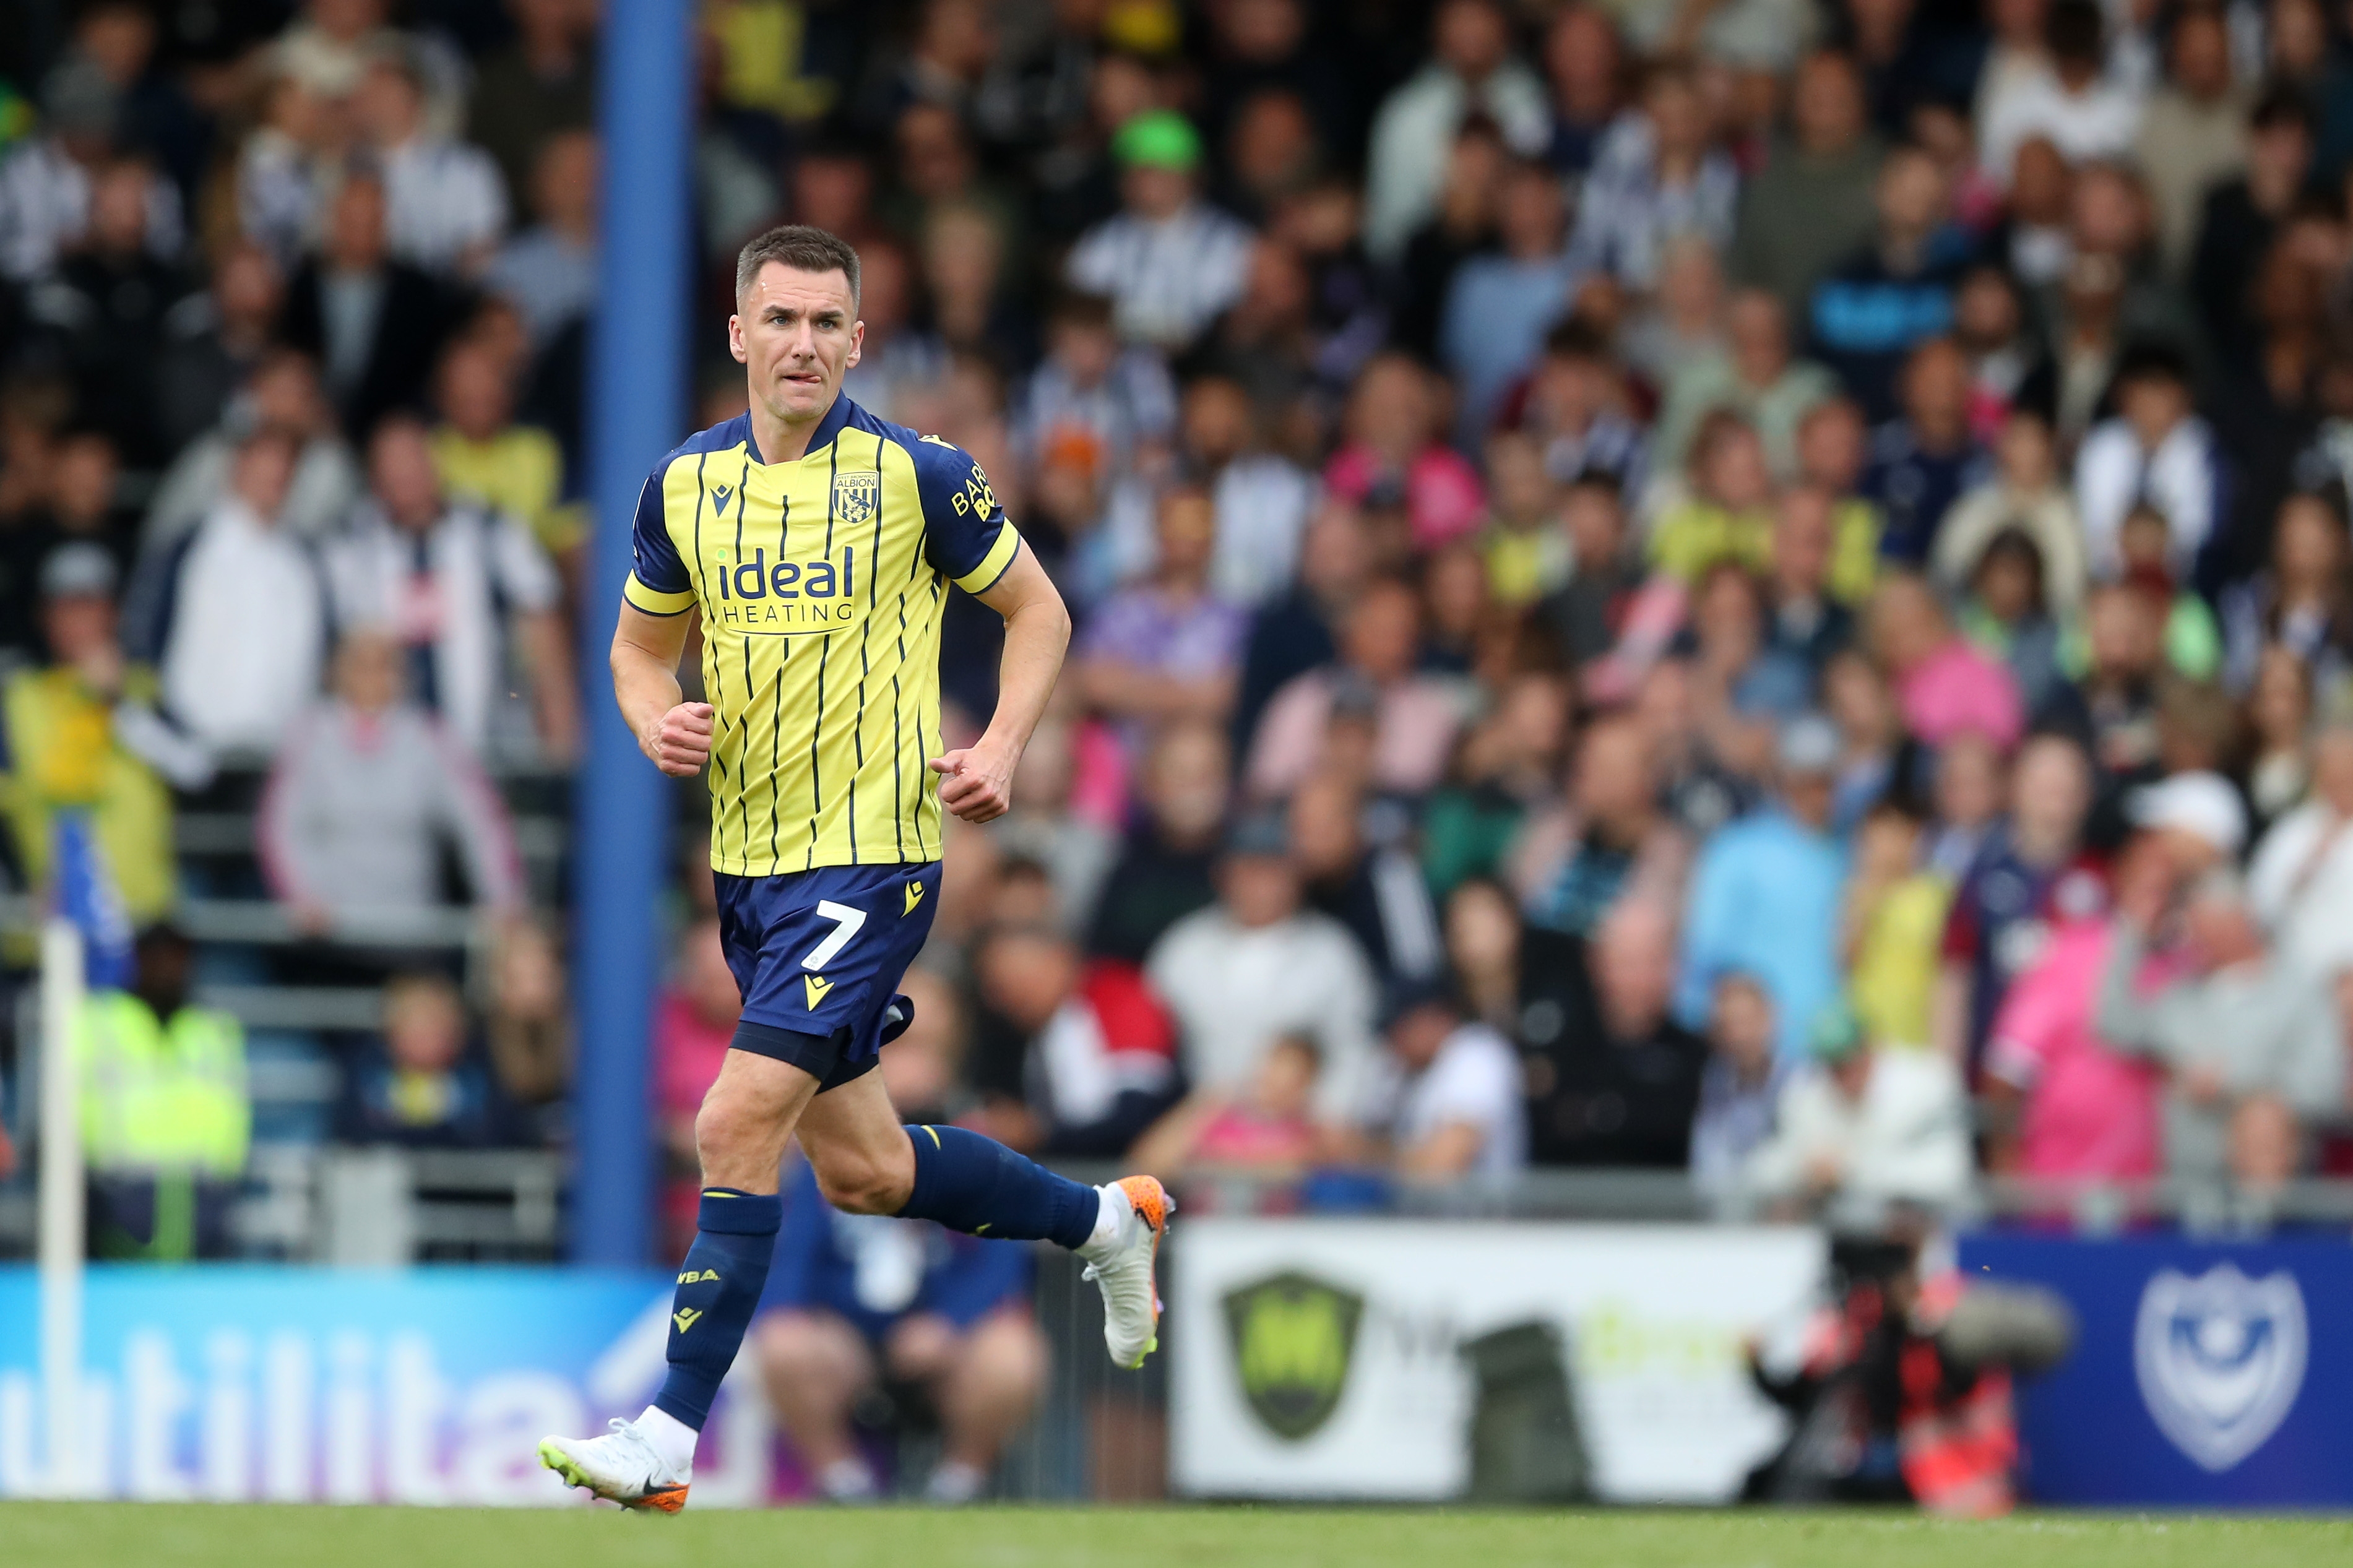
820,584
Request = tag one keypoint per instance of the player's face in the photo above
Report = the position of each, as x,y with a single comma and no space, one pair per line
796,332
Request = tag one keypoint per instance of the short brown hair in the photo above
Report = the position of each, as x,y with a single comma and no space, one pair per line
800,248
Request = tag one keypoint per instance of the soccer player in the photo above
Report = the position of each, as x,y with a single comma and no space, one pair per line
816,544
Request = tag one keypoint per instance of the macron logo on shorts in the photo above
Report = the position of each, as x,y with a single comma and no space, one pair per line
914,896
817,986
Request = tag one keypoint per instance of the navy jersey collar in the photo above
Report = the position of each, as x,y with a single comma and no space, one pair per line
821,438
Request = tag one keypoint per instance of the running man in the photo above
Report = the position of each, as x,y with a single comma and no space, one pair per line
817,543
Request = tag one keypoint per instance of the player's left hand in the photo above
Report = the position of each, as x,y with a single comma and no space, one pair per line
976,783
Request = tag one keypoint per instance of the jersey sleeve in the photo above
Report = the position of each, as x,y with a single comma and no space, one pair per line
965,534
659,584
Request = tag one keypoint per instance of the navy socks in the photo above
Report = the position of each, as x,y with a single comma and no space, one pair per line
718,1287
978,1185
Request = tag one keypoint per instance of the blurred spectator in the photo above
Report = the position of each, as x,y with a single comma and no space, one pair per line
1075,849
1943,686
1499,805
1527,552
1095,412
1744,685
1586,613
1765,894
286,170
2063,1101
422,1085
2281,739
47,181
485,457
282,394
858,1304
1808,624
1725,512
549,271
2193,638
2076,105
529,1022
2302,601
1098,1058
1391,456
1413,716
2031,877
1444,1099
445,205
167,1115
442,579
1295,634
1168,648
1969,786
1924,459
1575,403
1470,70
2300,883
1891,928
109,302
1377,891
1499,306
213,342
329,44
1860,1129
1753,377
1621,1085
1834,449
1868,311
2010,364
1268,1131
2193,130
1263,498
79,504
2248,1042
1655,177
694,1022
2155,449
1461,225
1164,870
2111,707
1811,205
366,792
1585,66
236,680
371,325
2244,214
1684,324
1169,262
1740,1088
82,735
528,95
2023,496
1256,964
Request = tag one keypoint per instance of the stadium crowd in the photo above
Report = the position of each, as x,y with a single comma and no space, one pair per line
1757,587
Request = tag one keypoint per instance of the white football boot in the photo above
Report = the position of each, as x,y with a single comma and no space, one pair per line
1121,1263
620,1467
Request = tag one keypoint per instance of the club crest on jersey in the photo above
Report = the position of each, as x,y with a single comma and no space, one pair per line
856,496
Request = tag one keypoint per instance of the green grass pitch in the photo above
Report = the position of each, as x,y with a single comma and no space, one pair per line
103,1535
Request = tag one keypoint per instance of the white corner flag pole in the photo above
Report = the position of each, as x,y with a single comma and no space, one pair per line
61,1222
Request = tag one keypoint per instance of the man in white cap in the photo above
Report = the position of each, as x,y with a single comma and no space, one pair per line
2198,818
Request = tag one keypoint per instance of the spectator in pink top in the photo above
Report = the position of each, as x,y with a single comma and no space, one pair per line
1393,455
2085,1108
1413,717
1943,684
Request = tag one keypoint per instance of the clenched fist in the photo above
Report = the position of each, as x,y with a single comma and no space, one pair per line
680,742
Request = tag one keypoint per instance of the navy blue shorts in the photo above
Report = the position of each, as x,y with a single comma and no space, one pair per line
818,956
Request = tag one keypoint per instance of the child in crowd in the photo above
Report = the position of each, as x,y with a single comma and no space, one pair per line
2193,640
2006,613
1268,1131
421,1087
1833,444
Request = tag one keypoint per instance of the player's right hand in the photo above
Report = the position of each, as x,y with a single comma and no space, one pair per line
681,743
